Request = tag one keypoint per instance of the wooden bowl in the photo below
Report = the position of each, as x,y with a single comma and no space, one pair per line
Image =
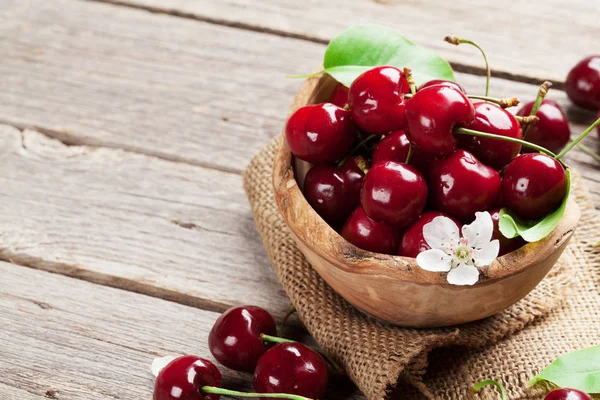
395,288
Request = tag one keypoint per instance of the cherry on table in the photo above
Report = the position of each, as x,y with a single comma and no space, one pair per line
507,245
320,133
583,83
552,131
183,377
376,100
368,234
413,242
235,338
442,82
533,185
567,394
339,96
393,147
292,368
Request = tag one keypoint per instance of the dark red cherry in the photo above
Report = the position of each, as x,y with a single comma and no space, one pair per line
491,118
235,340
183,378
552,131
583,83
339,96
431,115
442,82
376,100
320,133
292,368
413,241
567,394
353,172
598,128
461,185
393,147
506,245
324,191
533,185
393,193
370,235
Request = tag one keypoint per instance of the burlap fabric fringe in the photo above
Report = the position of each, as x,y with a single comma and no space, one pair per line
386,362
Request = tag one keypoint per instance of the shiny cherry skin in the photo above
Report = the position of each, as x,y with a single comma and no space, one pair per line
235,340
567,394
353,173
339,96
443,82
506,245
393,147
413,241
393,193
491,118
431,115
376,100
183,378
461,185
583,83
292,368
320,133
324,191
533,185
552,131
368,234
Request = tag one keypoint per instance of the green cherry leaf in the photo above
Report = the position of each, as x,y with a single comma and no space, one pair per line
531,231
363,47
577,370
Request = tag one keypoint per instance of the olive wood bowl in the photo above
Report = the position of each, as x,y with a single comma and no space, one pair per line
394,288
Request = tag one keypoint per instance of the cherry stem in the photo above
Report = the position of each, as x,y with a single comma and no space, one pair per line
465,131
504,103
577,139
528,120
408,156
588,151
488,73
411,81
358,146
227,392
478,386
306,75
542,92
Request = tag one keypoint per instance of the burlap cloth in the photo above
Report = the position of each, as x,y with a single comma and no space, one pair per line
386,362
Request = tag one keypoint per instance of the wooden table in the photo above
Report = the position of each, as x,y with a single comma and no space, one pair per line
124,229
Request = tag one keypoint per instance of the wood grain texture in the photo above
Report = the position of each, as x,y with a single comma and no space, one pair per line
528,40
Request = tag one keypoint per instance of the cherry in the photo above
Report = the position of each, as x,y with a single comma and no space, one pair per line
320,133
583,83
460,185
339,96
370,235
393,193
442,82
552,131
533,185
413,241
183,377
324,191
491,118
376,100
431,115
353,172
235,339
506,245
567,394
292,368
393,147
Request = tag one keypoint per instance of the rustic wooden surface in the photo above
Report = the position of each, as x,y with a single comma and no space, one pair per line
123,133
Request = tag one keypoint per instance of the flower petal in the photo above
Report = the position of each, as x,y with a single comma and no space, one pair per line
479,231
434,260
159,363
487,253
463,275
441,233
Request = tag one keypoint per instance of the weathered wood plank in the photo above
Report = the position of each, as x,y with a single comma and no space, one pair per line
84,341
528,40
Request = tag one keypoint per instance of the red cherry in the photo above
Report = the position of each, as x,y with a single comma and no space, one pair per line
339,96
320,133
376,100
533,185
353,172
598,128
370,235
567,394
183,377
461,185
431,115
235,339
442,82
291,368
393,147
583,83
393,193
491,118
552,131
506,245
324,191
413,241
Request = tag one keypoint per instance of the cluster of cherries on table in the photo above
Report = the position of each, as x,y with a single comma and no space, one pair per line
386,162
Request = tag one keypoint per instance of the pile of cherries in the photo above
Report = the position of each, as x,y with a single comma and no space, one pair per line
240,340
386,161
